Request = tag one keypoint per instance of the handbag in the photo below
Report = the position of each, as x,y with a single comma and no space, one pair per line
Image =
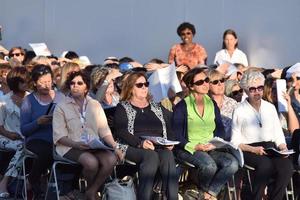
119,189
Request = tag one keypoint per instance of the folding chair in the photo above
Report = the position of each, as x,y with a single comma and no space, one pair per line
231,188
57,159
27,154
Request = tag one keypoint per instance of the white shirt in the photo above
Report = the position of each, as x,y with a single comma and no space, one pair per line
10,114
246,122
237,57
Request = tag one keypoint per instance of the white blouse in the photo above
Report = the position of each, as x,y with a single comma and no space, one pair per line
237,57
250,126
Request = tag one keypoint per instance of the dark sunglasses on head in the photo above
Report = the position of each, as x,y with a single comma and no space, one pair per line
200,82
16,54
140,85
254,89
215,82
78,83
236,92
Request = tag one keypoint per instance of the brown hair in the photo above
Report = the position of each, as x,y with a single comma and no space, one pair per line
267,95
128,84
16,76
16,48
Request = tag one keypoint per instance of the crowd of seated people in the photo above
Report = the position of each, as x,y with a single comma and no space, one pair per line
61,103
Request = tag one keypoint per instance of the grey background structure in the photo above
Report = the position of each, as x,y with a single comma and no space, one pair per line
268,30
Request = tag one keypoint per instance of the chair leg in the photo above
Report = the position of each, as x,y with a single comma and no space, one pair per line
249,179
231,190
55,181
291,191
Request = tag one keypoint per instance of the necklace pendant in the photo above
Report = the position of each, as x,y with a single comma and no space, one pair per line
260,125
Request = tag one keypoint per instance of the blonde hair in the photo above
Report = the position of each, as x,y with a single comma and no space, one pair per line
214,75
65,71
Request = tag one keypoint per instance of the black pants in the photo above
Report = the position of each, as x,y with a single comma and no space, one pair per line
150,162
278,169
44,160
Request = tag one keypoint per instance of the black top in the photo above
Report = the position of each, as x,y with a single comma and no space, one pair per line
146,123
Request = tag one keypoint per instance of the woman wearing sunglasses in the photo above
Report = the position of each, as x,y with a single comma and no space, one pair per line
196,120
137,116
256,126
36,123
17,53
187,53
233,90
225,104
78,119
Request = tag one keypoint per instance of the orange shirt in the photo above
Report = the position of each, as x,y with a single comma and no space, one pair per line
190,58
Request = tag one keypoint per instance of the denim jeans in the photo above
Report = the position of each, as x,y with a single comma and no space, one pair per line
214,168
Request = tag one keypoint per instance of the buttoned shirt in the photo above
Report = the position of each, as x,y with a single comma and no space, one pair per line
251,126
67,122
10,114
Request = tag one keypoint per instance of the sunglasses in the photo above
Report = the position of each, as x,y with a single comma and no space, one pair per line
200,82
140,85
216,82
236,92
16,54
78,83
254,89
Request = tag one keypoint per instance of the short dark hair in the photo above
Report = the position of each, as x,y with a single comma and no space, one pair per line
186,25
16,76
125,60
229,32
40,70
188,78
84,77
71,55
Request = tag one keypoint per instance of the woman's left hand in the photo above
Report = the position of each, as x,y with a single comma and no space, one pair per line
119,154
209,147
282,147
170,147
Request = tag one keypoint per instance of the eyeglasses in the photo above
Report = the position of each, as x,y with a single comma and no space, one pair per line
78,83
236,92
216,82
200,82
140,85
186,33
254,89
16,54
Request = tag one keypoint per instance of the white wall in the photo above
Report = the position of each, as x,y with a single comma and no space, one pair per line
268,30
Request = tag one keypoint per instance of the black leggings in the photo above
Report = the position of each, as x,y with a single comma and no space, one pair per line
44,160
150,162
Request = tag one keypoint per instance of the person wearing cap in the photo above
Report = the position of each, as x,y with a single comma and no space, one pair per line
187,53
111,60
230,51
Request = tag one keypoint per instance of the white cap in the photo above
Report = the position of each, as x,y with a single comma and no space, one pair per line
293,69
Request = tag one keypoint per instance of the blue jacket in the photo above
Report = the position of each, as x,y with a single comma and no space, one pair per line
180,123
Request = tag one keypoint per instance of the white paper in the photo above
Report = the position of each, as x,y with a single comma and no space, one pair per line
40,49
281,89
235,151
160,140
162,80
98,144
275,152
